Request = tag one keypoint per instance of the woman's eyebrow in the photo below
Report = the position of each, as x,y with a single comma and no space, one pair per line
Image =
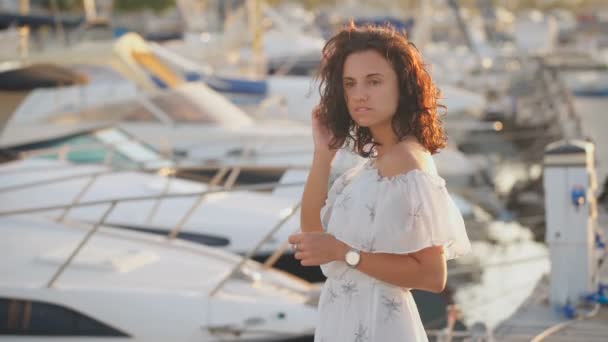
348,78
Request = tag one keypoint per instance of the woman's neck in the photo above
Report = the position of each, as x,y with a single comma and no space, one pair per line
386,138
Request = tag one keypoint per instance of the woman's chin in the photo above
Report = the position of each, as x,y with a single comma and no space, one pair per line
364,122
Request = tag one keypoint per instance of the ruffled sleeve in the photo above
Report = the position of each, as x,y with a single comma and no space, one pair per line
336,186
326,209
434,217
339,179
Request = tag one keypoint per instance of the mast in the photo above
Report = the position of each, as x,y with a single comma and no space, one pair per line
455,5
421,34
254,18
24,31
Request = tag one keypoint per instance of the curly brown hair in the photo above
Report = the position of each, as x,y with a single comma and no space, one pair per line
418,97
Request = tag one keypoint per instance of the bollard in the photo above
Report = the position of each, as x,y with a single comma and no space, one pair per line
571,216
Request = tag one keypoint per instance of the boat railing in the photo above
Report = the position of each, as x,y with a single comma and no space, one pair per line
173,233
293,210
173,163
232,172
81,245
228,174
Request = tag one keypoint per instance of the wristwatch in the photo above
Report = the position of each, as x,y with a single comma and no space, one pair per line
352,257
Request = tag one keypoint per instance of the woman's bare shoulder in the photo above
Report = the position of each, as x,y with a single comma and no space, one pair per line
409,155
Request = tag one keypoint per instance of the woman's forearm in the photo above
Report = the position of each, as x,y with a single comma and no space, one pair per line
423,270
315,191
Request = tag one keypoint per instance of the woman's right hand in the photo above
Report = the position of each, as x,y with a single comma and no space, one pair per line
321,135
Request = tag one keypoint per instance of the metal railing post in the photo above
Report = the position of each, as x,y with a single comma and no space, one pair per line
78,197
251,253
80,245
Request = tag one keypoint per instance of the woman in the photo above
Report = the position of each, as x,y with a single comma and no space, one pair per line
389,224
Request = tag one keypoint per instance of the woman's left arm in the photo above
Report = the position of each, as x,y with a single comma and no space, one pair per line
425,269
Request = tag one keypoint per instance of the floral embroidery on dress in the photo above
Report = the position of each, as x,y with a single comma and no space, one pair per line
349,288
333,176
399,215
369,245
415,212
372,212
331,295
343,185
361,333
344,202
392,307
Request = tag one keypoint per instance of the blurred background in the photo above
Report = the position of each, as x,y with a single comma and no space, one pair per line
153,155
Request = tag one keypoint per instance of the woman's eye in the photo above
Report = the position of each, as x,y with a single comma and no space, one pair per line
348,85
374,82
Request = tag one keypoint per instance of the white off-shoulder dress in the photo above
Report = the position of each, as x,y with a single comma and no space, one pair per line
400,214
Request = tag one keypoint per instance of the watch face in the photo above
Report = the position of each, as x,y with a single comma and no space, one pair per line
352,258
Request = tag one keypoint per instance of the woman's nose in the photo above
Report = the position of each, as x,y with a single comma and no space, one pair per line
360,93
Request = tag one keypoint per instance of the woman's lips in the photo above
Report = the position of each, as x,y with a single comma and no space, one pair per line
362,109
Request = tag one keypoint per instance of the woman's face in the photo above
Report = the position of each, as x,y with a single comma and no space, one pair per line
370,88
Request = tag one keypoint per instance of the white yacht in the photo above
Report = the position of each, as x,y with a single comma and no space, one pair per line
100,163
191,120
156,203
93,283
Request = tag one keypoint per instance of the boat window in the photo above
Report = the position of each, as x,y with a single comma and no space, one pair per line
97,148
37,318
86,149
132,149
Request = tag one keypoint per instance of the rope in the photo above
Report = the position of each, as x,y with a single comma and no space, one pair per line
560,326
